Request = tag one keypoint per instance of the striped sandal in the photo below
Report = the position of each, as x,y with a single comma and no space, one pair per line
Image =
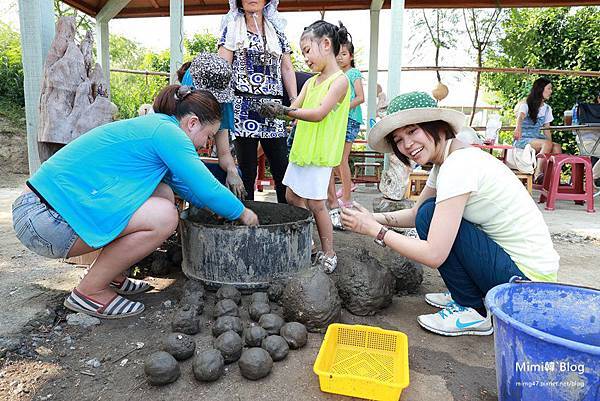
130,286
116,308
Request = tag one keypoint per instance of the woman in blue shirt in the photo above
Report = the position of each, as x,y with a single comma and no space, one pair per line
113,188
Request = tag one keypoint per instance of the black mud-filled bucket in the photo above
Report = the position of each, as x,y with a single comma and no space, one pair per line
218,252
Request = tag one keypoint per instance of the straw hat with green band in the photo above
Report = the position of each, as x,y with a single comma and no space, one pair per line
408,109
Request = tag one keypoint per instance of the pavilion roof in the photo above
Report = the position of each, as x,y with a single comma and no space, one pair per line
160,8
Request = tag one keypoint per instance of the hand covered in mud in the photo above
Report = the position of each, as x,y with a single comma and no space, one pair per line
235,184
360,220
270,109
249,218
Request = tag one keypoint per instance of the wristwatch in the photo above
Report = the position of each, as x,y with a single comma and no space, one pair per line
379,239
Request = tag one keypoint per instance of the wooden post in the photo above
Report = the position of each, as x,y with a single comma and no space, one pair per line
176,19
395,52
373,56
36,19
108,12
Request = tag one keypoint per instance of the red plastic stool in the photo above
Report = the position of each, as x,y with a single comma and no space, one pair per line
581,167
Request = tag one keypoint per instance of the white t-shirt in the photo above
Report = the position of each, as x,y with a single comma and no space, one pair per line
545,110
500,206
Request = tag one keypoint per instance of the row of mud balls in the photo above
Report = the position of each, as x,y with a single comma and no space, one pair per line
268,341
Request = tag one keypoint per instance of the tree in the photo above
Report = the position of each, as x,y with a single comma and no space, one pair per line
440,27
553,38
125,53
11,67
201,43
83,22
480,25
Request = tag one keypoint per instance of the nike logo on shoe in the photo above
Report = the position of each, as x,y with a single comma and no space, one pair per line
461,325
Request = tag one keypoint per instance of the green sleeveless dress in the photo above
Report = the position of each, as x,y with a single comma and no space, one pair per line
321,143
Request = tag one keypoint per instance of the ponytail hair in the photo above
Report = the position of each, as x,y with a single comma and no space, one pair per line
182,70
181,100
337,34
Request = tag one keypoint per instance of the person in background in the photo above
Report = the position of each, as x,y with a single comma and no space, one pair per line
345,60
112,188
322,113
477,224
254,43
534,114
210,72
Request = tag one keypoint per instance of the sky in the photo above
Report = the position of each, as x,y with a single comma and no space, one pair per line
154,33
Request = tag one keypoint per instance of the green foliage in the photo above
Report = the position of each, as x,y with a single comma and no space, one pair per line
11,67
201,43
125,53
553,38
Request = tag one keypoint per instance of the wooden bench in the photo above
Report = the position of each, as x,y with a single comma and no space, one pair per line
526,179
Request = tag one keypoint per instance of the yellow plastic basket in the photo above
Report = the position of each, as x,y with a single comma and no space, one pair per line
363,361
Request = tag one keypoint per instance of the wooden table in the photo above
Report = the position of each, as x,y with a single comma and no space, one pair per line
491,148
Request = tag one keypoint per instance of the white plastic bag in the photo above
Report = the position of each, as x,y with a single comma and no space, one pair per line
523,160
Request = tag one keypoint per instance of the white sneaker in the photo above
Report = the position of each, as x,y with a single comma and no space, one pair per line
336,219
456,320
439,299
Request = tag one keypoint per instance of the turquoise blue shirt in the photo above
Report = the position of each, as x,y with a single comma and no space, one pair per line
100,179
356,113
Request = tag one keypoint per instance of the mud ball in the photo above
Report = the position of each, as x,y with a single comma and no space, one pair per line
295,334
259,298
208,365
255,363
256,310
193,287
226,323
254,335
186,320
312,299
226,307
271,323
161,368
180,345
229,292
230,346
275,291
276,346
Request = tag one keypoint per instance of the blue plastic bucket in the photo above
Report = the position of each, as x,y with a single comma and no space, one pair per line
547,341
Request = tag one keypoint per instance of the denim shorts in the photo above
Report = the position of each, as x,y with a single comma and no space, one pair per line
40,229
352,130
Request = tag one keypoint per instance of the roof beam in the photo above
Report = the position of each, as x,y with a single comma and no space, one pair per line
111,9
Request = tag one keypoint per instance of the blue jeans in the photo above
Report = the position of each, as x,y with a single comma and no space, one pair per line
475,263
40,229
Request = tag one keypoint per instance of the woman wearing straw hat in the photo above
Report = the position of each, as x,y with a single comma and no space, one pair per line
476,222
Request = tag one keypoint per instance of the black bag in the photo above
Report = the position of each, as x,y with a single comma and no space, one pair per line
588,113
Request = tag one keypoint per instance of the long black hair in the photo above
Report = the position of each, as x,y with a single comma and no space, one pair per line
337,34
536,97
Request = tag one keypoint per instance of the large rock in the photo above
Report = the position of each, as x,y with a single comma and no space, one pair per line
360,249
74,96
312,299
364,285
161,368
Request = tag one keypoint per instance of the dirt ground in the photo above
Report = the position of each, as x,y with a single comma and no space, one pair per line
47,359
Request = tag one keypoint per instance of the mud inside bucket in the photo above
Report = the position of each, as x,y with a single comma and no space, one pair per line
547,341
216,251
